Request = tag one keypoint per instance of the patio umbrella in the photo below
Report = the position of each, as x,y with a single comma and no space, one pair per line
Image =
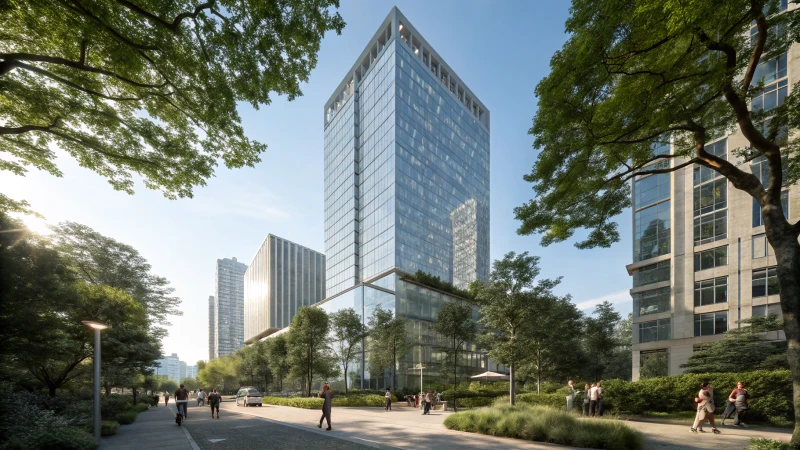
493,375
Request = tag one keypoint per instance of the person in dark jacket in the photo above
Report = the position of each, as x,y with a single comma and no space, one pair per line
326,406
213,401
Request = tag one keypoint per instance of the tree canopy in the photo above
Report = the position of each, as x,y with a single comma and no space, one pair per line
307,347
387,342
347,334
148,87
457,328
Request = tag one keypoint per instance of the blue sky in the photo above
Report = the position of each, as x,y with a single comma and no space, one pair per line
499,49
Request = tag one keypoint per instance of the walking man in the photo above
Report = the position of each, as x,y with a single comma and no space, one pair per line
388,397
428,400
593,400
182,400
213,400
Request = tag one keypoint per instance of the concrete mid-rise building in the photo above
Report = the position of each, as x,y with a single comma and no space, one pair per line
282,277
406,190
701,261
228,309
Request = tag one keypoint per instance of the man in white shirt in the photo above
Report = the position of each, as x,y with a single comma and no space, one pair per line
593,400
388,397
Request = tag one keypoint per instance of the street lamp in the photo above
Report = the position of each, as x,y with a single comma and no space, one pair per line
97,327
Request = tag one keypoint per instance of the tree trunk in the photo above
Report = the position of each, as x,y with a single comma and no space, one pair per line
345,378
783,240
455,374
512,390
394,364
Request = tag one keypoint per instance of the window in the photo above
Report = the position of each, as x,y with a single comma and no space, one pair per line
651,302
760,246
656,330
711,227
654,273
770,71
765,310
771,96
708,259
710,324
758,218
711,196
660,148
651,189
709,292
652,231
703,174
765,282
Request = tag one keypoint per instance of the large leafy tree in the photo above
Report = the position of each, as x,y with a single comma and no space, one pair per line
387,341
307,347
553,338
634,73
508,309
601,338
277,354
457,328
347,335
148,87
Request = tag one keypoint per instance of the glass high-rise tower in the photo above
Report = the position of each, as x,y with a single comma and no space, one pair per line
406,149
228,308
406,190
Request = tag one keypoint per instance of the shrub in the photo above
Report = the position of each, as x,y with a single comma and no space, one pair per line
127,417
62,439
111,406
359,400
140,407
295,402
769,444
109,428
538,423
771,393
30,417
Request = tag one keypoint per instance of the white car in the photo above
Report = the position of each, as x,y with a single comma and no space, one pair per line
248,396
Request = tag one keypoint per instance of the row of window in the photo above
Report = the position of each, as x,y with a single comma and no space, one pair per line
707,324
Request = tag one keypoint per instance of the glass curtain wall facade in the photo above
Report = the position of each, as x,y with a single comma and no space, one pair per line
282,278
212,323
228,307
701,261
406,186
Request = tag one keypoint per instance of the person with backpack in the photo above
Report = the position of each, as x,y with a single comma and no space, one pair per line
388,397
213,401
705,408
739,401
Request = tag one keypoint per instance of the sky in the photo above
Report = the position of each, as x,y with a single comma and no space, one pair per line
500,49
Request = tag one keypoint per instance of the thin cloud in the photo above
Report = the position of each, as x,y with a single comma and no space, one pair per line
614,298
248,201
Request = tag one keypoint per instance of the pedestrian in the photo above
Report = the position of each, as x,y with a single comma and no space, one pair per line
326,406
570,395
427,403
201,398
705,408
409,399
166,398
213,401
600,408
593,400
388,397
586,388
739,397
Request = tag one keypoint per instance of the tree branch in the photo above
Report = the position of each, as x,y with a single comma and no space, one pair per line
84,143
55,77
755,58
117,35
175,24
28,128
80,65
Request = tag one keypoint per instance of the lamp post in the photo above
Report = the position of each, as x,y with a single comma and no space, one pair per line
97,327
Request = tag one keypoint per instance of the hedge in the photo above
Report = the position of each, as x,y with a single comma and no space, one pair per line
316,403
140,407
771,393
61,439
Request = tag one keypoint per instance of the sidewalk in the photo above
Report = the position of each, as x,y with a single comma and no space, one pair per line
154,428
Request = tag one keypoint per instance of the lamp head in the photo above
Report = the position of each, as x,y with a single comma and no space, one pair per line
95,325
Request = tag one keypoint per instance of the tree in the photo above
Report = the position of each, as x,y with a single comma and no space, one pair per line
454,323
553,337
387,341
601,338
507,309
149,87
254,364
740,349
200,364
190,384
220,373
347,334
308,351
620,364
168,386
101,260
633,74
277,353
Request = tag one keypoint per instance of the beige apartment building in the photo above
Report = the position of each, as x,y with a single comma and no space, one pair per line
701,262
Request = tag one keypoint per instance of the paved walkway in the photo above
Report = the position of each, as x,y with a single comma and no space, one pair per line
154,428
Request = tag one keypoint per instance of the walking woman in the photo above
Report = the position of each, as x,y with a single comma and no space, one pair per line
166,398
705,408
326,406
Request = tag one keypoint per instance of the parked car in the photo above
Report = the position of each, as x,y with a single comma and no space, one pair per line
248,396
